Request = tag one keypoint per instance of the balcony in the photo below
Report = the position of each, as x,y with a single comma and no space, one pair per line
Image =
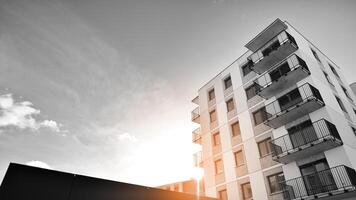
330,184
266,35
196,136
282,77
305,141
275,53
196,100
293,105
196,115
198,159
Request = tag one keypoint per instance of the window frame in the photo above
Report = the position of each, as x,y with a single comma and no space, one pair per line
270,183
210,114
254,87
216,139
211,91
341,104
264,116
231,100
315,54
221,196
267,146
333,70
237,164
233,134
216,166
243,191
227,80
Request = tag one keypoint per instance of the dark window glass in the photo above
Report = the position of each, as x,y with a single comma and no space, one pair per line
290,99
211,94
340,104
251,91
274,182
246,68
235,128
315,55
230,105
346,92
280,71
260,116
271,48
227,82
246,191
264,147
328,78
239,158
334,70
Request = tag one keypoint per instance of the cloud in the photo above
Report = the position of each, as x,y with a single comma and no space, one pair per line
127,136
22,115
40,164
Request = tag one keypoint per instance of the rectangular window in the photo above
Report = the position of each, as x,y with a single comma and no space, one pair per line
212,116
216,139
211,94
223,195
260,116
235,129
340,104
315,55
246,68
279,72
334,70
230,104
274,182
227,82
219,168
346,92
251,91
246,191
264,147
239,158
328,78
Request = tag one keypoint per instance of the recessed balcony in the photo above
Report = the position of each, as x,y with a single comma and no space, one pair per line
196,136
330,184
293,105
196,115
305,140
282,77
274,53
266,35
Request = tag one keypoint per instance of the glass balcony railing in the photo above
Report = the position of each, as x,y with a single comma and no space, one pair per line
196,115
338,182
306,140
196,136
293,105
282,77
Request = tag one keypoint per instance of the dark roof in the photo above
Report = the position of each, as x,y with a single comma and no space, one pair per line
23,182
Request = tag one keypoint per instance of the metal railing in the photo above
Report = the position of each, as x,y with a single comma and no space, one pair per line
196,134
316,132
306,93
273,46
337,179
266,79
195,113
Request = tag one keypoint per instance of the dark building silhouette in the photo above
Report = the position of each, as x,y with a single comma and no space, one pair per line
23,182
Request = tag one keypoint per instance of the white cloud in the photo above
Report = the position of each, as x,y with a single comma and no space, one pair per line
36,163
127,136
21,115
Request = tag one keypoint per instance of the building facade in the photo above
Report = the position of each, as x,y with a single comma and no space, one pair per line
188,186
278,123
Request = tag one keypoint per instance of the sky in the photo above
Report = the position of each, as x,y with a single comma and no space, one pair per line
104,88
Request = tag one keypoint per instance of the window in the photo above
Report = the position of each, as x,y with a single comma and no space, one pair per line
230,105
354,110
280,71
246,68
227,82
290,99
340,104
239,158
235,129
334,70
246,191
219,167
251,91
274,182
216,139
223,195
315,55
264,147
176,187
346,92
328,78
212,116
211,94
260,116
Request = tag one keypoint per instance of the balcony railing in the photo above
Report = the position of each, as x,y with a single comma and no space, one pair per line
198,159
282,77
293,105
318,136
275,53
196,136
340,181
196,115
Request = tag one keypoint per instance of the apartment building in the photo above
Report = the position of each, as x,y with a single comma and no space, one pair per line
278,123
187,186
